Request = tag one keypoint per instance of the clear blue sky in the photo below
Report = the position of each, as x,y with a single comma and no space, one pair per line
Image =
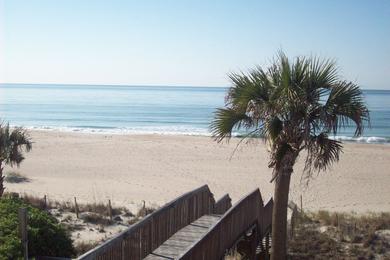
186,42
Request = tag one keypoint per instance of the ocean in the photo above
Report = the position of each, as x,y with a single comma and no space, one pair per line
144,109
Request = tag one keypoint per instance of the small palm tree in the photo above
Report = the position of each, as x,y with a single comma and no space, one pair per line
12,144
295,106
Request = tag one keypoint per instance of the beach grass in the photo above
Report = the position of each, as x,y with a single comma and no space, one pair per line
84,246
318,234
93,218
329,235
94,207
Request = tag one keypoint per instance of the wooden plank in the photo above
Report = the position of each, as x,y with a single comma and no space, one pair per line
181,241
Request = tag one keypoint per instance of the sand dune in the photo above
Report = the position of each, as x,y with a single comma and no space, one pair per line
130,168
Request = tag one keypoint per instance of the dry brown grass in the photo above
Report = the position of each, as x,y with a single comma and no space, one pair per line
95,218
84,247
308,243
234,255
144,211
36,201
98,208
333,235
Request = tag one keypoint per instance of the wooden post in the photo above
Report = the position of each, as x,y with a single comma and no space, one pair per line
123,250
23,230
293,221
76,207
45,202
254,242
262,249
267,246
109,209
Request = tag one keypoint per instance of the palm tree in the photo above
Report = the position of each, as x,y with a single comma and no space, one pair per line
12,144
295,106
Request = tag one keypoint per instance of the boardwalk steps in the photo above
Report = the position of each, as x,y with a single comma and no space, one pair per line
192,226
184,239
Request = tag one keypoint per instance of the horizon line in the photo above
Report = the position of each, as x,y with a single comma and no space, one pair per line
114,85
138,85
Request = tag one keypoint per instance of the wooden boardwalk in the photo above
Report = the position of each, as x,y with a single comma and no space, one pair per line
192,227
184,239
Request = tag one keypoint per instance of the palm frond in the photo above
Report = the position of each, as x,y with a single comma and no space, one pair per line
13,143
323,73
228,119
321,153
20,137
247,88
345,104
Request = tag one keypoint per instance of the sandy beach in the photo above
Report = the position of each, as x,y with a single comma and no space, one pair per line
156,168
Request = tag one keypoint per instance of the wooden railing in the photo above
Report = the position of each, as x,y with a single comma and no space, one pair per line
143,237
244,215
265,230
222,205
266,217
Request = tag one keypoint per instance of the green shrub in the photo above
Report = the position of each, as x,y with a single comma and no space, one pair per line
46,236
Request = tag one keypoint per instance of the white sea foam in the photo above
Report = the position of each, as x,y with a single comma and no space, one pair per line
181,130
362,139
144,110
162,130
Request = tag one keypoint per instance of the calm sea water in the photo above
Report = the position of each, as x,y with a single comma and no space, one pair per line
140,110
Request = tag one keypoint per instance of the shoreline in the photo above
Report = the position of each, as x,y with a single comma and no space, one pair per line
156,168
128,132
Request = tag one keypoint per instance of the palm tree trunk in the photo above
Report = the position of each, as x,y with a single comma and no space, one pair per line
279,216
1,180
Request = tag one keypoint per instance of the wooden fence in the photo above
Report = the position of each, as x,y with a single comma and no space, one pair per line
143,237
244,215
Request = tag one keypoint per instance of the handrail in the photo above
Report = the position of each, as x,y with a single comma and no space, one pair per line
267,217
143,237
238,219
222,205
